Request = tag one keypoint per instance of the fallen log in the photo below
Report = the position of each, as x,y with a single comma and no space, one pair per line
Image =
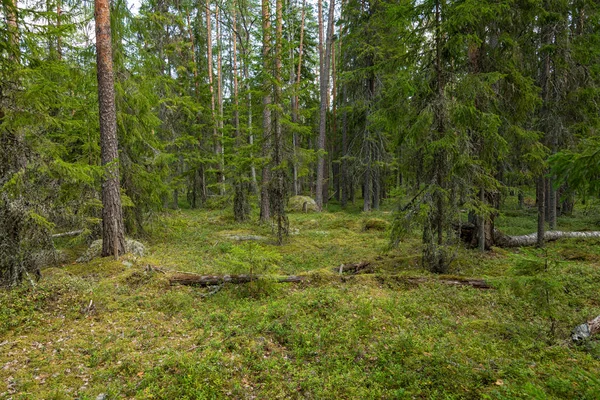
357,268
502,240
210,280
67,234
474,283
189,279
585,331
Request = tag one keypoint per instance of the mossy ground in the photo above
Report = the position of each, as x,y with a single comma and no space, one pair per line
104,327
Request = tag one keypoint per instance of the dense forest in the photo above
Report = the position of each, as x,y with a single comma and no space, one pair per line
458,134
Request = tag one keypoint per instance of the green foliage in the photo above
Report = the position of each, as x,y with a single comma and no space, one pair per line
537,280
251,258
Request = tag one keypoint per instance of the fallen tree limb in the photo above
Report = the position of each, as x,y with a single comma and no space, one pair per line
474,283
189,279
361,267
67,234
502,240
209,280
584,331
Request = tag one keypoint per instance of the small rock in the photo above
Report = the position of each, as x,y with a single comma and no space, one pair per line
102,396
581,333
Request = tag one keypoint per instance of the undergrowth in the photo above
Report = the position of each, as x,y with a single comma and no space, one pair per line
121,329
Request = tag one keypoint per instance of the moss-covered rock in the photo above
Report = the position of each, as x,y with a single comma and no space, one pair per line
131,246
302,204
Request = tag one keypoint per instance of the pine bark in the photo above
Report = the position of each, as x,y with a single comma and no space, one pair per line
113,239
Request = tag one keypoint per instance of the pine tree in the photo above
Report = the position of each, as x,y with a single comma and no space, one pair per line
113,229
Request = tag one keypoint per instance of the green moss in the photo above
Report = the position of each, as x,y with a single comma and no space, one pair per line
365,336
375,224
302,204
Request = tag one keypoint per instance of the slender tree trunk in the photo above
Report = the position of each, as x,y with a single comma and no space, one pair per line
278,185
113,242
344,178
335,141
13,28
322,114
296,99
246,53
58,36
481,223
241,207
209,52
199,176
545,77
265,212
324,63
541,203
220,148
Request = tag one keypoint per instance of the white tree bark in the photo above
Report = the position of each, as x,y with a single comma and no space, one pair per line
503,240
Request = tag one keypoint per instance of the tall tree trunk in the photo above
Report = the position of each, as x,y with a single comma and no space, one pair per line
546,37
265,211
209,52
324,63
335,141
344,178
113,239
58,35
296,99
220,148
241,207
322,114
13,29
199,176
278,184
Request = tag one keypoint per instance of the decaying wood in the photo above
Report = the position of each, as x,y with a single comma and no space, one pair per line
584,331
67,234
474,283
502,240
357,268
365,267
209,280
189,279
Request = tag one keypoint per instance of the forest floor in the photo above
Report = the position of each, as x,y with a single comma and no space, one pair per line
118,328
